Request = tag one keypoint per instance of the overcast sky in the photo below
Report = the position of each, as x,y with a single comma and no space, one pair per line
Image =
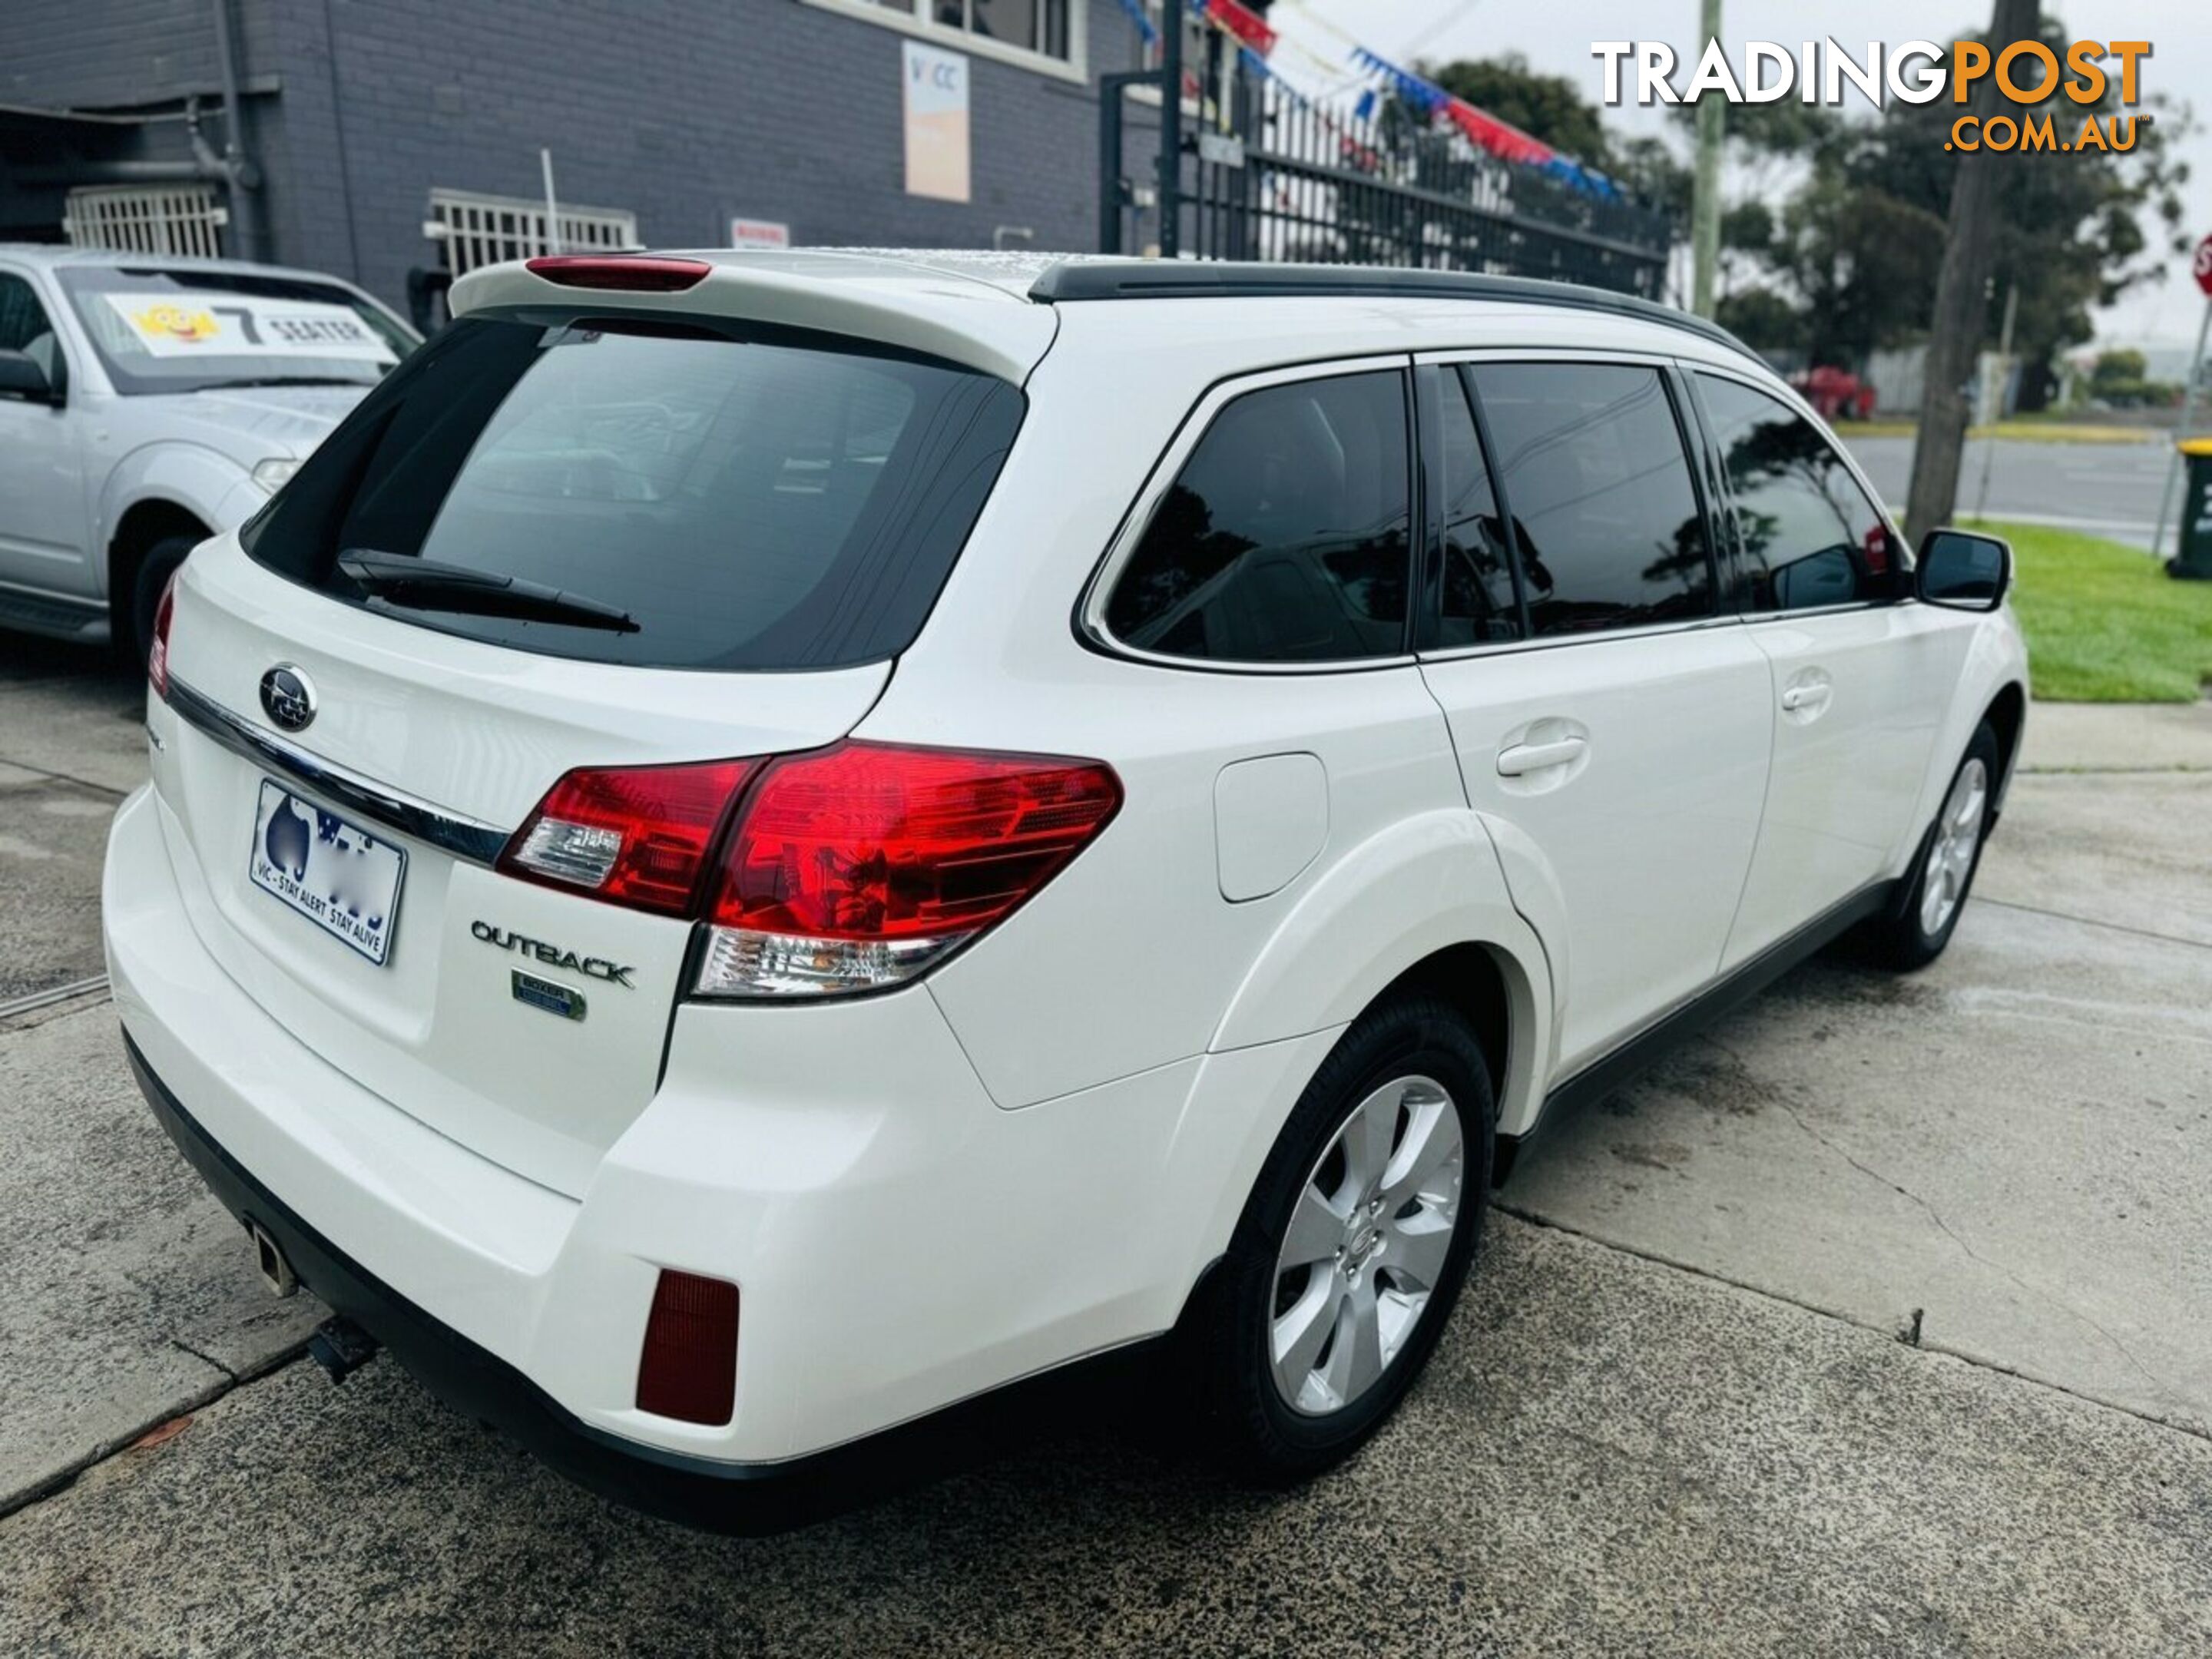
1555,37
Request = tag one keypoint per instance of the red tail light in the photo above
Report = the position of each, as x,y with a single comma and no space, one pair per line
850,868
636,836
857,866
157,654
689,1370
627,273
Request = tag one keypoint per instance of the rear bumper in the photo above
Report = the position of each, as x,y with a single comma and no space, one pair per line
725,1496
901,1245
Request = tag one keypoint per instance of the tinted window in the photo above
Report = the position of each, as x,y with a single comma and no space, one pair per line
1590,461
24,327
1476,603
761,502
1285,536
1807,534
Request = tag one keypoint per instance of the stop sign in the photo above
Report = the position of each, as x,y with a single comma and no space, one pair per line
2201,267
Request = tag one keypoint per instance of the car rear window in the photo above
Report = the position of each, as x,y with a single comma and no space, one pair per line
748,498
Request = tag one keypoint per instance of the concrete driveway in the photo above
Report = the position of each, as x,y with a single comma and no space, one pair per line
1873,1323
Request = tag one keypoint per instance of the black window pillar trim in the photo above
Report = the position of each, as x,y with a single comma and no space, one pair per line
1499,493
1715,496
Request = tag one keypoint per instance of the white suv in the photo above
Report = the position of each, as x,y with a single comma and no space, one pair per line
761,845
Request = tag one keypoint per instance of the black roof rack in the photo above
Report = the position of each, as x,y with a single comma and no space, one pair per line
1193,279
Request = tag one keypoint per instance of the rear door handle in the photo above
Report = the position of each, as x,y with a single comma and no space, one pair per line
1524,758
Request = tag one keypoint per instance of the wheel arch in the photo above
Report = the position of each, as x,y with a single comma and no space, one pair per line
1423,905
151,519
2007,717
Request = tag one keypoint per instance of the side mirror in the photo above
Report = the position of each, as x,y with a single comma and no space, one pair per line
1964,570
21,376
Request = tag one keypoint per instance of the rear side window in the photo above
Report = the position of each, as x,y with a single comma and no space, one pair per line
1287,536
741,500
1806,531
1591,465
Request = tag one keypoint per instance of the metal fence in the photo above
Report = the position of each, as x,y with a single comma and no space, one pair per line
164,219
1289,179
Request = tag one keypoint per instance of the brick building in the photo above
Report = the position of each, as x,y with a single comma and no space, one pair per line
399,139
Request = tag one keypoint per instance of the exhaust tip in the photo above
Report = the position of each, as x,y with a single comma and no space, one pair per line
341,1347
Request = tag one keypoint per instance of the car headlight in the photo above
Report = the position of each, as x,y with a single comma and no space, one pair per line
275,472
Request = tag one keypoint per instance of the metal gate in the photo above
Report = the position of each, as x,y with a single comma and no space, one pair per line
1284,178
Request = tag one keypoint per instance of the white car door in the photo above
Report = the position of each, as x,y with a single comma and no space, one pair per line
43,533
1859,679
1610,720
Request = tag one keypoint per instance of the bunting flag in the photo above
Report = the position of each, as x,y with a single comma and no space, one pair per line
1241,21
1256,40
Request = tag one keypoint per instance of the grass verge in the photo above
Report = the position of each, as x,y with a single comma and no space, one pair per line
2105,623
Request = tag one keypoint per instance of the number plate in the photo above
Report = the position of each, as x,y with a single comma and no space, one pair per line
331,870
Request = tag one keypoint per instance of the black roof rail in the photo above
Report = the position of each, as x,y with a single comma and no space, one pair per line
1193,279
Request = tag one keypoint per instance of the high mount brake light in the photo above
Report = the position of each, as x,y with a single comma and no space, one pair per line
849,868
637,835
627,273
157,653
858,866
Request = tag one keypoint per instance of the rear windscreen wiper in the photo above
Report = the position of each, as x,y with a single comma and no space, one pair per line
425,585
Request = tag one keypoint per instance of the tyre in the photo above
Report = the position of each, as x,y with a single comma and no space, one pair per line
1351,1251
1950,852
152,575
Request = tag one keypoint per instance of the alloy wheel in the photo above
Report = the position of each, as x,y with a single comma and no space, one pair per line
1951,855
1366,1244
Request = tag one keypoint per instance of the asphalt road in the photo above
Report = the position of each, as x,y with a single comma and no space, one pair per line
1873,1323
2104,490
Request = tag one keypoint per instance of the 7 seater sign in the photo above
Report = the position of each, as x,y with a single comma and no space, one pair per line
172,326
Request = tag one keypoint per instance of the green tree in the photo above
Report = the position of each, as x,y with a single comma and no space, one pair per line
1858,239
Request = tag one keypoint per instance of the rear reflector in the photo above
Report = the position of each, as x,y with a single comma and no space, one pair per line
627,273
857,866
637,835
157,654
689,1370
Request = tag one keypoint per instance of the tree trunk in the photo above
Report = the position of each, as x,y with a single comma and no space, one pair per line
1954,335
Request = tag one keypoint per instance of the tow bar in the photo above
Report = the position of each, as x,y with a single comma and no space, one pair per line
338,1345
341,1347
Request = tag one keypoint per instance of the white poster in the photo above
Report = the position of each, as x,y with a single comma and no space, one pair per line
936,123
185,324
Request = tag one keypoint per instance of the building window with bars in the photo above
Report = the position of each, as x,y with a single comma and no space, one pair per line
476,230
170,220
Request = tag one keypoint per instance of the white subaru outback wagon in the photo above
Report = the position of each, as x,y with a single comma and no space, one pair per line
762,846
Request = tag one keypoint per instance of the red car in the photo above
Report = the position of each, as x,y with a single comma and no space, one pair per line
1836,394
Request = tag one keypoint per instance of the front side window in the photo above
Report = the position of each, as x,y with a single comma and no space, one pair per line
1285,536
1807,534
1591,464
651,493
161,329
24,327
